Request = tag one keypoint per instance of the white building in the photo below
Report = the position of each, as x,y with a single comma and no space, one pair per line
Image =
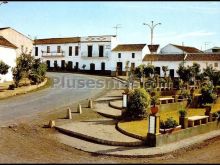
8,56
173,61
58,51
177,49
127,53
93,52
213,50
96,52
18,39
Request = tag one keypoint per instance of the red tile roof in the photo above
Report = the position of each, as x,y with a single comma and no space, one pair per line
129,47
57,40
163,57
180,57
6,43
188,49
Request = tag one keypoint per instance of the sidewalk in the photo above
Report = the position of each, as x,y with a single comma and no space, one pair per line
100,136
142,151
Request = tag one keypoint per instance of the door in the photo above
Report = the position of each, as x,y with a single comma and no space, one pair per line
48,64
63,64
92,67
119,67
172,73
157,70
70,65
103,66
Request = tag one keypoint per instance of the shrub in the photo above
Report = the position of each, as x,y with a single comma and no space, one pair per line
3,68
37,72
11,87
182,112
17,75
207,94
138,102
169,123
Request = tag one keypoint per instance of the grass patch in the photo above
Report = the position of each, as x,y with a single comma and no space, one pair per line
141,127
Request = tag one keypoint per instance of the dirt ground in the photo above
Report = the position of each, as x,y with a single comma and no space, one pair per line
30,141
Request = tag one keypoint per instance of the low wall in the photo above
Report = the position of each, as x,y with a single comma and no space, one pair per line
21,90
162,139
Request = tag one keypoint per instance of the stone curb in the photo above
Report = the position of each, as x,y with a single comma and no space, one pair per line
99,141
128,133
109,116
25,90
118,79
114,106
150,151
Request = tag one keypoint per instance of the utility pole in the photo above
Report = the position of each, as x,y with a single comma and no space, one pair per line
116,28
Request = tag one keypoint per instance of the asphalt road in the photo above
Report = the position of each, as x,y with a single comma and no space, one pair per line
67,89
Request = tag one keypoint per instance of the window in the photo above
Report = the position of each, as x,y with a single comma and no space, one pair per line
76,50
119,55
58,49
133,55
89,51
36,51
55,64
70,50
216,64
48,49
101,51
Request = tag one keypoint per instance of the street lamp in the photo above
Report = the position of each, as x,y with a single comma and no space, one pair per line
152,26
3,2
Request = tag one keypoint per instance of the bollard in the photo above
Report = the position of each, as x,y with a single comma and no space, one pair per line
51,123
69,114
79,108
90,104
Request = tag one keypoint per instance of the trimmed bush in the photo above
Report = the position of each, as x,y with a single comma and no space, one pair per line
138,102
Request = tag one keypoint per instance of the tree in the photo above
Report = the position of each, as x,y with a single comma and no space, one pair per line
165,69
185,73
38,71
213,75
3,68
148,70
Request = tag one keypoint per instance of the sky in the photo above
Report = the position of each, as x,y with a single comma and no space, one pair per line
186,23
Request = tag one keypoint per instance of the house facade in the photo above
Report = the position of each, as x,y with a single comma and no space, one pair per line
178,49
57,52
129,55
18,39
173,61
85,53
8,56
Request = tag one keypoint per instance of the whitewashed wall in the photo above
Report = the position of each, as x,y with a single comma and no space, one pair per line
53,48
17,39
7,55
170,49
125,56
175,64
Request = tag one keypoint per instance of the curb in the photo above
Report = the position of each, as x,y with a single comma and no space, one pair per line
114,106
99,141
128,133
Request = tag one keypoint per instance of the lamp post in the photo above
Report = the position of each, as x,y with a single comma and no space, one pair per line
152,26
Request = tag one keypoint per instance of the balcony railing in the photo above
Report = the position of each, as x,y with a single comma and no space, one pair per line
94,55
53,54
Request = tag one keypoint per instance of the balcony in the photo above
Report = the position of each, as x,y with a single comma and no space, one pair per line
53,54
95,55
